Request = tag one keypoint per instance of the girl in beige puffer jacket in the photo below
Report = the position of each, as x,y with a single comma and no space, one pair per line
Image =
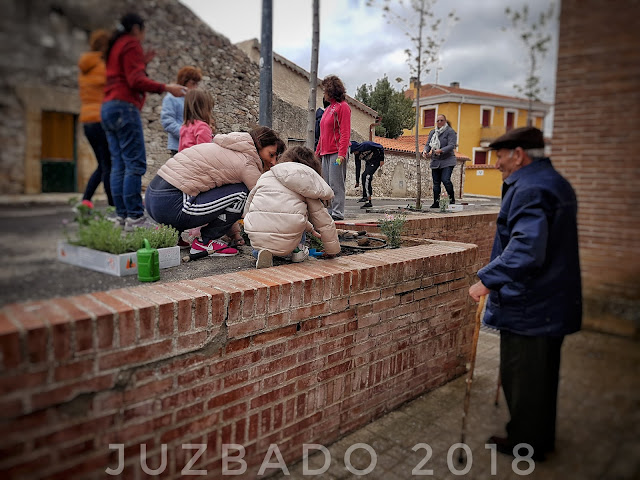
286,202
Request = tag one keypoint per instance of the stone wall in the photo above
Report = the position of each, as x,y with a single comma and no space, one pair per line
399,177
301,353
41,42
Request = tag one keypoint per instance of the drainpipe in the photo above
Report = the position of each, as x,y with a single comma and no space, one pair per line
379,120
457,149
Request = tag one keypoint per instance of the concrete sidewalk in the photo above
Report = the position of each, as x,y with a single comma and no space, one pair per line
597,432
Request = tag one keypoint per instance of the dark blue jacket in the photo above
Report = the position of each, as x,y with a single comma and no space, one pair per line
534,273
376,149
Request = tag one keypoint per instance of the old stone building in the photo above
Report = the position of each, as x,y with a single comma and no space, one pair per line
44,148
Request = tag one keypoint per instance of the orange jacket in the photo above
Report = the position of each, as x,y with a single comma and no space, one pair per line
92,76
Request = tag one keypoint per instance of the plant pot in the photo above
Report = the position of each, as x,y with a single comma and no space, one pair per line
118,265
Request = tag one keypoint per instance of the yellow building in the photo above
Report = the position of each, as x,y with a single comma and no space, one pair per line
478,118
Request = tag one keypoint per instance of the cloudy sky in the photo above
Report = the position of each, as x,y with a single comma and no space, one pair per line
360,46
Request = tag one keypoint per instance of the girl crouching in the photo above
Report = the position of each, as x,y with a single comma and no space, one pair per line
287,202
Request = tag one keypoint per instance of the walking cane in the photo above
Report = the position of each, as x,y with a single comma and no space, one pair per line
498,389
467,395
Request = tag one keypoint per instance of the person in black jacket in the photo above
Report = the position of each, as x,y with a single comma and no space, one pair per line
373,155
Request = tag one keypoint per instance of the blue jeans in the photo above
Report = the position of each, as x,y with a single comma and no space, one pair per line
219,207
442,175
98,140
122,124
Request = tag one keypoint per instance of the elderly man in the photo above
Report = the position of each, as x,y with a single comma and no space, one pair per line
534,288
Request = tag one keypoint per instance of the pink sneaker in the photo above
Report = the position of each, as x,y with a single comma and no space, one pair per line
215,248
87,203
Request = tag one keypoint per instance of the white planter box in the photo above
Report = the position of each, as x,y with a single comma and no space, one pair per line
119,265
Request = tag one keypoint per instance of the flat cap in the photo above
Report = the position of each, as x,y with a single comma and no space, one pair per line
524,137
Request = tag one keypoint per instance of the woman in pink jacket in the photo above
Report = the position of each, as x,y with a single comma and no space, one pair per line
208,184
335,138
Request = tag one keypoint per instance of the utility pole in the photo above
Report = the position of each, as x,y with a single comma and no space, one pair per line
313,77
266,64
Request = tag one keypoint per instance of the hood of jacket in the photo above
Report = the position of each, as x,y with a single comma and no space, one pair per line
89,60
302,179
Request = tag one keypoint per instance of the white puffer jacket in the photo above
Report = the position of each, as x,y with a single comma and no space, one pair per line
231,158
281,205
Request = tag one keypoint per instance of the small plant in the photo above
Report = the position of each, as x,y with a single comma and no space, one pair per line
102,234
315,242
392,226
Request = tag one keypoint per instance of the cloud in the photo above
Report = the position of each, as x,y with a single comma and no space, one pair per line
359,45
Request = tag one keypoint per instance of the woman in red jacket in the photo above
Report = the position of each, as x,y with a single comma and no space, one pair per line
125,91
333,146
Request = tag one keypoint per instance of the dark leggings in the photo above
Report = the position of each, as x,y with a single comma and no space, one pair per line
98,141
218,208
442,175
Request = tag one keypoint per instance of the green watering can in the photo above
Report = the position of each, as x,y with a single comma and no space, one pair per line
148,263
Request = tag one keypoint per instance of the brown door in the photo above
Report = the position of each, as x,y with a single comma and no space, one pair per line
58,152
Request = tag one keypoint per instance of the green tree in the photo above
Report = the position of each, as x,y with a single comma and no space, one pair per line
535,36
422,28
396,110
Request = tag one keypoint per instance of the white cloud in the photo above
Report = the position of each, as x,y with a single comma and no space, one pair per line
360,46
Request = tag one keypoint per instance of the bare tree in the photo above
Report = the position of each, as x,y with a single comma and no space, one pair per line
534,34
313,77
421,26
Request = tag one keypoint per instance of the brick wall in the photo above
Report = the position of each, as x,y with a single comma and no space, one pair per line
476,228
595,145
287,355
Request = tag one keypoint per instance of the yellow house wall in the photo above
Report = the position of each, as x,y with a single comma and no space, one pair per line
488,183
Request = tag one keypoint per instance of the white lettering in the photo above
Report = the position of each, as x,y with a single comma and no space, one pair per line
469,458
226,458
163,460
305,459
273,448
117,471
372,463
418,468
202,447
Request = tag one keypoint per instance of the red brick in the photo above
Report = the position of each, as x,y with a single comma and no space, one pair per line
22,381
141,354
77,369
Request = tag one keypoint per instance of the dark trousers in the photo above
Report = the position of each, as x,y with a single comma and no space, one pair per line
442,175
218,208
367,176
530,368
98,141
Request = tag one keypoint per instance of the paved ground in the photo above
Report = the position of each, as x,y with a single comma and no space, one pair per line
30,227
598,434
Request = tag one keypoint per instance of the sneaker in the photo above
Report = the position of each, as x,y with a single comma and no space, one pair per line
337,218
363,199
130,224
87,203
367,205
435,205
215,248
117,220
299,256
265,259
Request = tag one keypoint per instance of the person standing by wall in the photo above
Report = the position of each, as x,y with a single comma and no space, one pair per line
173,107
125,91
91,81
534,287
333,147
440,148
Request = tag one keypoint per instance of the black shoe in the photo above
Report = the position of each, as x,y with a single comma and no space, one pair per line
452,202
435,205
336,218
363,199
506,446
367,205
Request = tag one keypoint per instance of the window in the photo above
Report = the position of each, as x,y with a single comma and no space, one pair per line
429,117
486,117
510,119
479,158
